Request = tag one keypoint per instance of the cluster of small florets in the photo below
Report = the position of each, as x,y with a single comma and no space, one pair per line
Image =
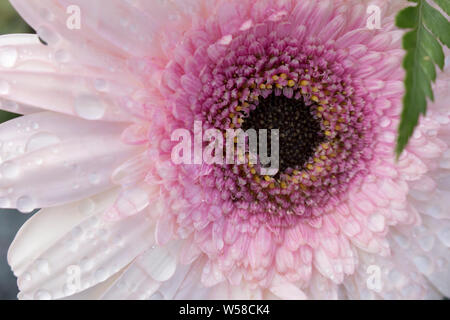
256,67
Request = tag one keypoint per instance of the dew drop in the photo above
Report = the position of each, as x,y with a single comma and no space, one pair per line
101,85
25,204
10,170
42,266
89,107
41,140
8,57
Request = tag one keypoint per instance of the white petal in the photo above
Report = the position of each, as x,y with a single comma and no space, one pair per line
49,225
74,159
91,253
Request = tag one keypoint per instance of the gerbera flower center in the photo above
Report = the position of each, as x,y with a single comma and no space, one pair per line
299,129
264,77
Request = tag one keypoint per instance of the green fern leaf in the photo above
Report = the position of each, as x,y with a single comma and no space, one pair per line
430,28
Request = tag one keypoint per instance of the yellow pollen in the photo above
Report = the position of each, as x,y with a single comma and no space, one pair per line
267,178
327,133
275,78
304,83
291,83
257,179
283,185
262,86
315,98
296,172
269,86
321,109
310,166
283,76
315,89
338,128
253,171
238,108
326,123
279,86
272,186
302,186
231,115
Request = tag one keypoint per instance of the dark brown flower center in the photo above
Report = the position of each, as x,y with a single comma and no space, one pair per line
300,131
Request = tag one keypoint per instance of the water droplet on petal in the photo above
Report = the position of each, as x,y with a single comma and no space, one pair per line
25,204
101,85
89,107
42,266
41,140
8,57
10,170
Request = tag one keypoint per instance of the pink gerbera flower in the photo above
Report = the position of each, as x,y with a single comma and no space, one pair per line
341,219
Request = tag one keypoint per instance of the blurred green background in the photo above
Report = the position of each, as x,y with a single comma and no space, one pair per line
10,22
10,220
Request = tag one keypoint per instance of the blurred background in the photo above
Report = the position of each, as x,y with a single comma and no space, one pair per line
10,220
